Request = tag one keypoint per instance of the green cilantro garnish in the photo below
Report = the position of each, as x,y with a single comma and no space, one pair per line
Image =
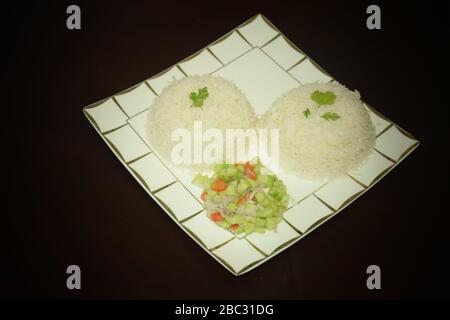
306,113
323,98
330,116
199,97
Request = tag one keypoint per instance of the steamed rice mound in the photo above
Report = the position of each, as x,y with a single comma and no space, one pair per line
226,107
315,148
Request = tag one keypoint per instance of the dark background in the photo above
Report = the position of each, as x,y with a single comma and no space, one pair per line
67,200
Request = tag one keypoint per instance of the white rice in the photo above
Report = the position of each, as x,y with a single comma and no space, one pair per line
314,148
226,107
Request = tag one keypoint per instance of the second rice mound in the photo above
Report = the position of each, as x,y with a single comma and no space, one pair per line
321,141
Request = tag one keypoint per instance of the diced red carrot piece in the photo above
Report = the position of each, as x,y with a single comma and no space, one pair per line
216,216
243,199
219,185
234,226
250,172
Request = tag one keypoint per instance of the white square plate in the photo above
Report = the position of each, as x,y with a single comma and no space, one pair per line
264,64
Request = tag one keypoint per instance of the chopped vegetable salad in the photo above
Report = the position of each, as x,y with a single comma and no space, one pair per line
243,197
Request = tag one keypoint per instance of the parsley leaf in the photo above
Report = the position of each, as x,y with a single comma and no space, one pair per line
307,113
330,116
323,98
199,97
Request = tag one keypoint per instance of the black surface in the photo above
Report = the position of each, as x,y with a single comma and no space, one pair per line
69,201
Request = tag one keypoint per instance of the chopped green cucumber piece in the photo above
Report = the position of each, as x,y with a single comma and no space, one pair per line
265,202
250,208
252,183
258,222
267,180
243,185
200,180
230,190
278,212
249,228
265,212
233,183
228,219
232,206
240,219
223,224
236,219
260,197
231,172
